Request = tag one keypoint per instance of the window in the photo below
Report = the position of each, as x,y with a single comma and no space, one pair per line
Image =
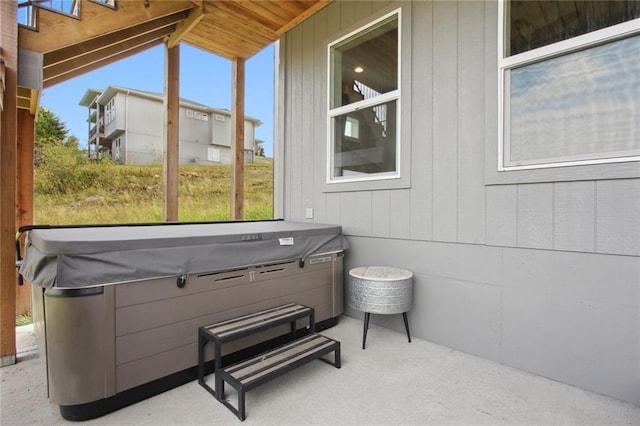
569,81
213,154
110,111
364,99
116,150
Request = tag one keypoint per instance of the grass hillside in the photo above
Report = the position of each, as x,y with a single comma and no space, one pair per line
95,193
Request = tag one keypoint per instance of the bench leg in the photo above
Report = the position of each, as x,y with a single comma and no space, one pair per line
241,399
406,325
367,315
219,386
202,342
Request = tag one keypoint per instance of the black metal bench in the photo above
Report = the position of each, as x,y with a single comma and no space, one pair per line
250,373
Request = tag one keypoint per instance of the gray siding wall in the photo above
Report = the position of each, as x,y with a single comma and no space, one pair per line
540,272
141,118
144,134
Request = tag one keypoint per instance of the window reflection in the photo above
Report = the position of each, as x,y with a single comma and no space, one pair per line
534,24
581,105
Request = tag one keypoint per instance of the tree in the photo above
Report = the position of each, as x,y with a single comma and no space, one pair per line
52,138
49,128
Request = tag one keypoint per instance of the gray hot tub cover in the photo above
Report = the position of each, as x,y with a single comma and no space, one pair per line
94,256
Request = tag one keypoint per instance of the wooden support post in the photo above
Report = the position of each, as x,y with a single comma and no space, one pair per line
171,133
237,141
8,147
24,194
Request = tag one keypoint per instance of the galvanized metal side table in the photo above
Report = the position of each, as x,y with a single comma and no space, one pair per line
380,290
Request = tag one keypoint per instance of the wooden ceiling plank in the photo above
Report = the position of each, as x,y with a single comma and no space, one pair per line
231,45
304,15
195,16
268,10
220,48
236,29
234,38
246,24
57,31
237,10
98,55
110,39
231,28
94,66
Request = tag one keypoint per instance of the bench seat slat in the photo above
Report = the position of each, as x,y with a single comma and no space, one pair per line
261,366
234,328
254,315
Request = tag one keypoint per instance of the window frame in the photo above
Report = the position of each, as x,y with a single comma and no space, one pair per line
395,95
561,48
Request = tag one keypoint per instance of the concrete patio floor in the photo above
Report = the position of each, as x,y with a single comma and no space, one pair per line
391,382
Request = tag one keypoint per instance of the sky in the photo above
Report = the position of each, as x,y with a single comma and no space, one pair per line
204,78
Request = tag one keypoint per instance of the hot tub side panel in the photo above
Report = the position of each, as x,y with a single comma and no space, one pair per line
79,335
157,321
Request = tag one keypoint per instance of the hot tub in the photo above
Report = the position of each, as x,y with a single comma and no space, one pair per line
116,308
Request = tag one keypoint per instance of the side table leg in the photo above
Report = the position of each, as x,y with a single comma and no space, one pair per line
406,325
366,327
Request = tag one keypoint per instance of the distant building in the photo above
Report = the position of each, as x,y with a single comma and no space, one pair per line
127,126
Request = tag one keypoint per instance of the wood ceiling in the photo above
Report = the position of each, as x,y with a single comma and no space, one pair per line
101,34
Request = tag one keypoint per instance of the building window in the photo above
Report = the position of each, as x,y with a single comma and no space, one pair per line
116,150
213,154
570,92
364,102
110,111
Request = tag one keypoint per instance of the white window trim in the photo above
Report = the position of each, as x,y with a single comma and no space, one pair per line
385,97
582,42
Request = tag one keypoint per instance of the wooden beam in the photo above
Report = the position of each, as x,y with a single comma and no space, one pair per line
79,62
24,192
170,176
8,148
237,140
94,66
183,28
56,31
111,39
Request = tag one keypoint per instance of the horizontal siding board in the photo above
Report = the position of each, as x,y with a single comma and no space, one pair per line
567,316
574,216
618,216
445,134
461,314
